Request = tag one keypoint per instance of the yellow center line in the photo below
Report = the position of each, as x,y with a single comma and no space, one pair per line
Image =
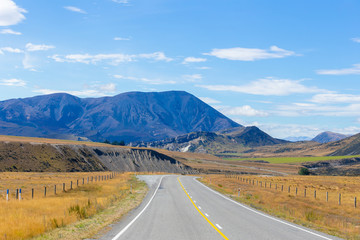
202,213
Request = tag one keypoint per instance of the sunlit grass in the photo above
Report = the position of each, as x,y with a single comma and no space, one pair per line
31,217
342,220
292,159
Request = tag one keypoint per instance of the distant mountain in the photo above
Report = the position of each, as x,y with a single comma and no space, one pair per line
133,116
326,137
347,146
298,139
226,141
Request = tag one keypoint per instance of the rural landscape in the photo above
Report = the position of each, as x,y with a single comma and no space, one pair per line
135,119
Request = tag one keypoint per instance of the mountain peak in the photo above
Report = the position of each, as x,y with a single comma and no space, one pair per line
328,136
132,116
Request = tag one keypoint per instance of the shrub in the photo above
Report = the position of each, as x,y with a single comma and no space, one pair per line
304,171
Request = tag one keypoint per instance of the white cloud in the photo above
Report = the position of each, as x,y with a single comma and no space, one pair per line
209,100
335,98
310,109
10,13
193,77
41,47
121,39
110,87
145,80
92,91
203,68
11,50
121,1
245,110
357,40
193,60
75,9
114,58
9,31
267,86
250,54
345,71
13,82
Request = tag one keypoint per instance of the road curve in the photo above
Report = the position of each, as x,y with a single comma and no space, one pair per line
180,207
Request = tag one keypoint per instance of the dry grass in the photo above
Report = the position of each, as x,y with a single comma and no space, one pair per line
28,218
340,220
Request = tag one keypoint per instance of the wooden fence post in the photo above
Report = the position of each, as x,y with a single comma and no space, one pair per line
70,185
305,192
327,196
314,194
32,193
339,198
55,189
354,202
44,191
63,187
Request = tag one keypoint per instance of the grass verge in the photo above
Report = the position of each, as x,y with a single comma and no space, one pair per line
292,159
316,213
76,214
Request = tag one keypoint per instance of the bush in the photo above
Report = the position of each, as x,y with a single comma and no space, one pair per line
304,171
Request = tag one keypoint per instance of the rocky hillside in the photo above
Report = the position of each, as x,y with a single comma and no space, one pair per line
133,116
326,137
229,140
40,157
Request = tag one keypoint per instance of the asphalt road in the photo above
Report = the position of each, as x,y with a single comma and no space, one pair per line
179,207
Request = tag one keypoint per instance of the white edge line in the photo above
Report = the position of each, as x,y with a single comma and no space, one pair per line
130,223
262,214
218,226
206,214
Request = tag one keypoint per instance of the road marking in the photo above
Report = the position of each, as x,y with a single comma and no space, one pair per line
206,214
218,226
262,214
127,226
202,213
194,201
199,207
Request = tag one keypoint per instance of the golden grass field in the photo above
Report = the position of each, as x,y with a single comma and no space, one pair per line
28,217
340,220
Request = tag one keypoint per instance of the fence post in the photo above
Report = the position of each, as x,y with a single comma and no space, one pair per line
7,194
270,185
44,191
339,198
63,187
354,202
87,179
296,191
83,181
265,184
70,185
314,194
305,192
20,194
32,193
289,189
282,188
55,189
239,193
17,194
327,196
77,182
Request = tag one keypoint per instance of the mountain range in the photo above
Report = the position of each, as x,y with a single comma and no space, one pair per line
326,137
225,141
132,116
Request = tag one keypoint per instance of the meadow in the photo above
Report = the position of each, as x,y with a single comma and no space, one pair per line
292,159
32,217
311,201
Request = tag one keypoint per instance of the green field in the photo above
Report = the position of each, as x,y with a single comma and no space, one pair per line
292,159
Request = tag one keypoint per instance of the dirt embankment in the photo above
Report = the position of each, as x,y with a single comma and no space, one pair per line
41,157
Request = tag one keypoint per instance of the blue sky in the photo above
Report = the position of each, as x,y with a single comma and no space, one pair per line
290,67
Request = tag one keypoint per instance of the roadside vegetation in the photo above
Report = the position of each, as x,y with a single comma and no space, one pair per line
292,159
311,201
77,213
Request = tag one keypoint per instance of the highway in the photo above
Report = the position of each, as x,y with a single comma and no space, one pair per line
180,207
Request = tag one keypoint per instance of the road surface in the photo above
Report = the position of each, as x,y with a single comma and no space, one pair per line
180,207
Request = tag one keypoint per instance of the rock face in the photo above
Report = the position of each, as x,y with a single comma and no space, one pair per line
326,137
17,156
133,116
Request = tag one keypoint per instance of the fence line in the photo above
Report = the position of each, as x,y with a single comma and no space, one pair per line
264,184
18,194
